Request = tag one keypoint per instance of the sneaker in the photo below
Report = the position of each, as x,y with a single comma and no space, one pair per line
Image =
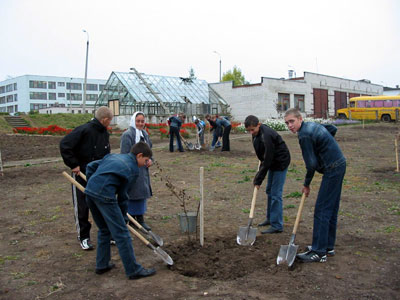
86,244
271,230
217,145
212,148
112,242
265,223
102,271
143,273
311,256
329,252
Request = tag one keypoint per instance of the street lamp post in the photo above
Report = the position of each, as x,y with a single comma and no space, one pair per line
86,67
70,95
220,78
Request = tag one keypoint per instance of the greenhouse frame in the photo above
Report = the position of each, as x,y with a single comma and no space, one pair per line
159,96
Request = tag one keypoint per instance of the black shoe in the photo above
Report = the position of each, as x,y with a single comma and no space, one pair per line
265,223
311,256
143,273
272,230
329,252
102,271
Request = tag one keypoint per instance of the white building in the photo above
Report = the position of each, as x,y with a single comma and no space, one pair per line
314,94
33,92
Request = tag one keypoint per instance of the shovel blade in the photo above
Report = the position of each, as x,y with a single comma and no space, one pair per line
164,256
287,254
156,238
246,236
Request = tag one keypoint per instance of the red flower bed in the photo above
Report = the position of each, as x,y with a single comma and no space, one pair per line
156,125
164,132
189,125
50,130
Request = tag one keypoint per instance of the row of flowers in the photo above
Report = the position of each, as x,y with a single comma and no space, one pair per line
276,124
49,130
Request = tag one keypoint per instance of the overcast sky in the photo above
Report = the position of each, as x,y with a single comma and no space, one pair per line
354,39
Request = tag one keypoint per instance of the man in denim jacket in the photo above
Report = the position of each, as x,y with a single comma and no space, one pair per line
321,153
113,175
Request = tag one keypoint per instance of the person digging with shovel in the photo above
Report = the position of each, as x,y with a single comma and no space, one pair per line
321,153
113,175
274,156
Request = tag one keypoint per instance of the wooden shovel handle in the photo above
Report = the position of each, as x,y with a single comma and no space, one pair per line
83,176
253,203
298,217
253,200
135,222
137,234
73,181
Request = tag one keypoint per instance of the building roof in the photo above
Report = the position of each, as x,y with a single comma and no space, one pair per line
134,87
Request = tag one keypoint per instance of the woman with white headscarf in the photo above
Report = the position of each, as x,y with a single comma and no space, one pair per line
141,190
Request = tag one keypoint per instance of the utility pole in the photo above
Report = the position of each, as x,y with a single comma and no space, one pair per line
86,67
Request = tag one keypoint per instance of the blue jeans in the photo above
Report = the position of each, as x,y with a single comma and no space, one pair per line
326,210
108,215
276,180
174,131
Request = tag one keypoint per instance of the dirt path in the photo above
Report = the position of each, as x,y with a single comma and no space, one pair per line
41,259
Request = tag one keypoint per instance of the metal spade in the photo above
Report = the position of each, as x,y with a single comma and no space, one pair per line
154,236
160,252
287,254
247,235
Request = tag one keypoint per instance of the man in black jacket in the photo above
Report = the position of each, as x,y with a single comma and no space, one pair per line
274,156
83,145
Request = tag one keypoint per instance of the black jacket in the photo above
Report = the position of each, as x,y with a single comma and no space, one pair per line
271,150
85,144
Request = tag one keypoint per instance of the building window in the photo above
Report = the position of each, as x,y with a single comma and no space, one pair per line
74,96
61,95
9,87
283,103
16,108
91,97
10,98
52,85
33,84
60,84
2,100
15,97
38,96
91,87
3,109
15,86
52,96
74,86
37,106
2,89
299,102
101,87
10,109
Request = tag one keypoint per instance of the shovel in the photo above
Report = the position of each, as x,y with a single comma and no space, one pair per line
154,236
287,254
197,146
247,235
160,252
187,144
165,257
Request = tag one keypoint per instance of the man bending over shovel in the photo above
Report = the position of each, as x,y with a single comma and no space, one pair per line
321,153
113,175
274,156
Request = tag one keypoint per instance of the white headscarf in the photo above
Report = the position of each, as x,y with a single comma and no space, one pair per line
139,133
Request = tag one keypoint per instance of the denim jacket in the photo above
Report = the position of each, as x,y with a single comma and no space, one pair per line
175,122
320,150
223,122
112,175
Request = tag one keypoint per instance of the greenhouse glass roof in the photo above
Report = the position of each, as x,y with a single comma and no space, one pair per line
133,87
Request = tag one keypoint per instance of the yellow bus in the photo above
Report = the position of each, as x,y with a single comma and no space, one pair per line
371,108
